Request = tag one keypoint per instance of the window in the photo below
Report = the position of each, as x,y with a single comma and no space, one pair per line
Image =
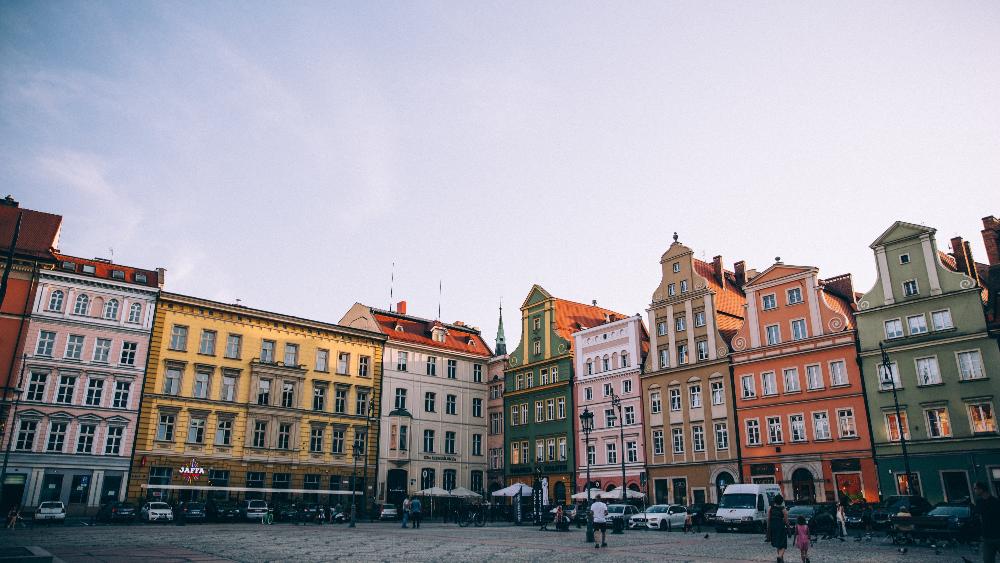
536,323
178,338
609,418
343,361
941,320
85,441
684,286
981,417
769,301
95,390
536,347
846,426
774,433
228,391
264,392
910,288
699,318
122,389
102,349
518,381
404,442
128,353
74,347
664,358
718,395
477,444
267,348
694,396
821,425
917,324
135,313
165,428
677,435
56,301
753,432
46,342
340,400
539,411
496,423
431,365
682,354
970,365
629,415
938,422
605,363
428,440
773,334
287,394
797,423
657,442
624,359
429,400
224,432
661,328
702,347
608,389
207,344
401,358
82,305
57,436
791,380
201,385
400,402
677,267
838,373
626,386
904,258
927,371
562,449
654,402
591,454
196,431
748,387
799,329
794,295
449,442
234,343
477,373
450,404
768,384
611,451
337,441
721,436
26,435
680,324
674,395
361,402
67,387
814,377
698,438
671,289
893,329
284,435
113,443
319,397
889,380
316,440
892,426
291,355
452,369
543,376
477,407
259,434
36,387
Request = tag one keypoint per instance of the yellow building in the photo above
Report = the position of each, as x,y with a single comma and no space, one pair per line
237,399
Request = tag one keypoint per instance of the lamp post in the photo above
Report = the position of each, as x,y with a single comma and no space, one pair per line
887,378
354,485
368,419
587,425
616,402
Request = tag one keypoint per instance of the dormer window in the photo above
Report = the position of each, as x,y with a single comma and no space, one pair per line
438,333
472,342
398,327
67,265
117,275
140,278
88,269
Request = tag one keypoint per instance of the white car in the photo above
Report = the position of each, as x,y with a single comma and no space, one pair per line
660,517
51,510
156,511
621,511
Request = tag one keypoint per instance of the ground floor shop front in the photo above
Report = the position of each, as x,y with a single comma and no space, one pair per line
809,479
941,477
554,488
689,483
82,483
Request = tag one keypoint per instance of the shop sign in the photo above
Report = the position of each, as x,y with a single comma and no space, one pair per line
845,465
440,458
191,472
762,469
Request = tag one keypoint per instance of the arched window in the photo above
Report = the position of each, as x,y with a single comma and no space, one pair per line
82,304
624,358
135,313
605,363
111,309
590,367
56,301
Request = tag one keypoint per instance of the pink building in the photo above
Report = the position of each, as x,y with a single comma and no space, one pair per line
609,359
85,348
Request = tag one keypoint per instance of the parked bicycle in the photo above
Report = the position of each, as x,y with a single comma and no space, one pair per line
475,515
268,517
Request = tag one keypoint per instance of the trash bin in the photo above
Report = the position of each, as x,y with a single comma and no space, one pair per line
617,525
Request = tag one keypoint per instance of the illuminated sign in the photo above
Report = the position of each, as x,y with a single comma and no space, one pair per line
191,472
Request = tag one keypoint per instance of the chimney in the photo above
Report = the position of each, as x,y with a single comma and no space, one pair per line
717,269
594,302
401,307
161,277
991,239
9,201
740,269
458,323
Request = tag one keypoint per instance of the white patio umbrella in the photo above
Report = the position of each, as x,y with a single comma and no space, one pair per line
594,495
514,490
462,492
432,492
616,494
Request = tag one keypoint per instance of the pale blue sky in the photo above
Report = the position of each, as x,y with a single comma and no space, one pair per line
287,153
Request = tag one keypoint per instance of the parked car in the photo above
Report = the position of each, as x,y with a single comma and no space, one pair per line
821,518
116,511
223,511
744,506
191,511
310,512
621,511
156,511
890,506
660,517
253,509
285,513
51,511
947,521
855,515
697,512
388,512
710,513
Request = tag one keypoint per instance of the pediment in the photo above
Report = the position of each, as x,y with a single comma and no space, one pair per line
118,420
777,272
535,296
31,413
901,230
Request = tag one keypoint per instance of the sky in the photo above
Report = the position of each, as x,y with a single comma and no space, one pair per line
288,154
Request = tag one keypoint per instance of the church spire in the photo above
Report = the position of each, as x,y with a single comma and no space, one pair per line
501,348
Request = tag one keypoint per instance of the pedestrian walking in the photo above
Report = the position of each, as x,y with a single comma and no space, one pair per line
416,512
406,511
13,516
802,538
866,518
687,522
777,526
987,511
841,521
599,512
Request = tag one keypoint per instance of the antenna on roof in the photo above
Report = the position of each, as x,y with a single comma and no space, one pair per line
439,299
392,280
112,250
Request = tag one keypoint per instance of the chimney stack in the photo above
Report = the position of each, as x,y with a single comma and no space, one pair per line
594,302
740,269
991,239
720,275
962,252
401,307
161,275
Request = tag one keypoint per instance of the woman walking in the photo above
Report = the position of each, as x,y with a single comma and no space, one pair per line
777,526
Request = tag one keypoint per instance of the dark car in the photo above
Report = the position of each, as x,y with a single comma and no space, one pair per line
285,513
223,511
710,513
698,510
948,521
855,515
117,511
890,506
821,518
191,511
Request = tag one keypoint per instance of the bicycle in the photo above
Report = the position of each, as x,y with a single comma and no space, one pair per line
475,516
267,518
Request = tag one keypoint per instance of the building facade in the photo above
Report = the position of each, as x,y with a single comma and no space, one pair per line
608,361
943,364
800,396
86,347
433,415
692,446
538,396
495,412
239,399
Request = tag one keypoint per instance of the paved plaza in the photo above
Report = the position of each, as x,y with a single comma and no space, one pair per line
440,543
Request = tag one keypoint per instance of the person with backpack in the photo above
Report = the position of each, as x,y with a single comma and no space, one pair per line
777,526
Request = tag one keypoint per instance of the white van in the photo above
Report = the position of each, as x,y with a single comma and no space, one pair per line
745,507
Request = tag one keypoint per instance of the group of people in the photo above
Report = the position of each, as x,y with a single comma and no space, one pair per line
412,511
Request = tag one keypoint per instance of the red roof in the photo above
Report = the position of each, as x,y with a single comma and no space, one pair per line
415,330
572,317
729,300
39,231
982,269
103,270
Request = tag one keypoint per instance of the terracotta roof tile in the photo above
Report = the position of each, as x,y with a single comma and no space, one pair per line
418,331
729,300
39,231
572,317
103,270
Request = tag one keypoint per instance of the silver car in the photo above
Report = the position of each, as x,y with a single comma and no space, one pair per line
156,512
51,510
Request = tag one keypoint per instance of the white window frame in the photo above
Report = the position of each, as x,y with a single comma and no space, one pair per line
829,431
791,428
972,425
916,287
746,428
763,385
819,369
909,327
798,322
829,368
958,363
773,299
951,321
753,386
767,334
936,363
898,321
927,422
788,295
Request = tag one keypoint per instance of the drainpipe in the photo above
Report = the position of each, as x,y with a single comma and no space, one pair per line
142,395
868,414
736,421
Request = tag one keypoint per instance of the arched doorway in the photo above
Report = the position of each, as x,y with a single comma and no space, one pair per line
722,480
803,488
633,487
560,492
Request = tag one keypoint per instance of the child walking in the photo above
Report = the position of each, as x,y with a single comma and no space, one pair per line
802,538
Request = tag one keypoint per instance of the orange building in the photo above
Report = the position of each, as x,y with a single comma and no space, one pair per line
800,399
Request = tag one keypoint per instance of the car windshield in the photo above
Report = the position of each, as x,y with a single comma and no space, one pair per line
258,504
50,504
159,505
657,509
739,500
959,511
803,510
616,508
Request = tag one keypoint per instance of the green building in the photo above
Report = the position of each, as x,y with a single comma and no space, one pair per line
538,399
946,369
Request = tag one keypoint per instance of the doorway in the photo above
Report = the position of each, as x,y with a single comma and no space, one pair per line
396,486
679,486
110,488
803,488
51,488
660,489
722,480
13,490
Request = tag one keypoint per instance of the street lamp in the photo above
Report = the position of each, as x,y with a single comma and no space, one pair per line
369,416
354,485
888,379
616,401
587,426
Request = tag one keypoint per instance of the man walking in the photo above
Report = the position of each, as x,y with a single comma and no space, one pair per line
987,510
415,507
406,511
600,515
